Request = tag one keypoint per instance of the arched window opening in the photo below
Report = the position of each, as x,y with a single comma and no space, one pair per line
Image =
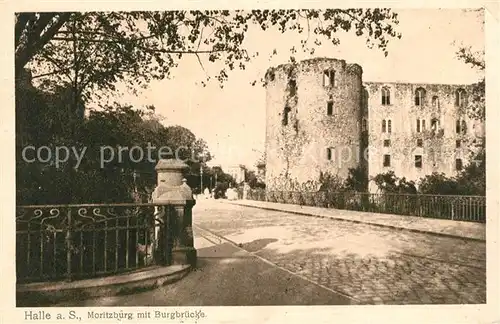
386,126
434,124
435,102
386,96
420,125
329,153
419,97
460,97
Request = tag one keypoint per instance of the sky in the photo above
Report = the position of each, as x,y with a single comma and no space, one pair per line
232,120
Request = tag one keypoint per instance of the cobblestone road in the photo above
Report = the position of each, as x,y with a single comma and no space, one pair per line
373,265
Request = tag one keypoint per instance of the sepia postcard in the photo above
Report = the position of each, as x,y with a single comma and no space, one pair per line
206,162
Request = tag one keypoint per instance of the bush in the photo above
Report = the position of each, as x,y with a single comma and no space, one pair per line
439,184
471,181
389,183
357,180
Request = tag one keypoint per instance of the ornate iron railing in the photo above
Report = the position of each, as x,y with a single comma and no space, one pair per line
80,241
463,208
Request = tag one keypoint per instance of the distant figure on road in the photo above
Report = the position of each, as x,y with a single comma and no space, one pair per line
231,194
206,193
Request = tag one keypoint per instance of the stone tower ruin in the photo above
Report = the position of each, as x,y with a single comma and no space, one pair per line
314,113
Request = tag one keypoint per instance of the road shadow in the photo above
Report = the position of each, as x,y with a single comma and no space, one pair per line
257,245
227,276
373,264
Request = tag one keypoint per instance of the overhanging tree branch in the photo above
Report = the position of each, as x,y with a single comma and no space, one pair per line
52,73
22,21
58,65
24,55
152,50
138,47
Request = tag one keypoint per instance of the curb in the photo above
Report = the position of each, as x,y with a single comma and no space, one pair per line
361,222
48,293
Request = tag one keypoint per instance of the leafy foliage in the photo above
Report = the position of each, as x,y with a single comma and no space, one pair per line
252,180
330,182
471,181
78,56
473,177
357,180
439,184
477,102
389,183
117,128
95,50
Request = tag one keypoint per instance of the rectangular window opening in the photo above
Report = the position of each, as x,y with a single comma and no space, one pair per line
458,143
329,78
329,108
387,143
389,128
418,125
387,160
458,164
420,142
386,99
418,161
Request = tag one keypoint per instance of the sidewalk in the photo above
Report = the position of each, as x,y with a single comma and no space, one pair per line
468,230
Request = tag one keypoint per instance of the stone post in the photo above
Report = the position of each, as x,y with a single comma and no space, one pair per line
177,198
246,188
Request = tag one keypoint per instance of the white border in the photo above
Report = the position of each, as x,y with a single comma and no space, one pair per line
282,314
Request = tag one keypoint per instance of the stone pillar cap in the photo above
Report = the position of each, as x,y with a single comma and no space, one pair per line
170,164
